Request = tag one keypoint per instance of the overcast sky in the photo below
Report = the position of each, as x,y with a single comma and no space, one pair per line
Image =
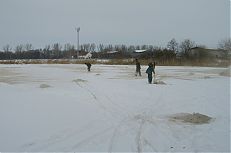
130,22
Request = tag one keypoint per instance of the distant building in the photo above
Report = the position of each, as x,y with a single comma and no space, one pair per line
199,52
138,53
86,56
110,54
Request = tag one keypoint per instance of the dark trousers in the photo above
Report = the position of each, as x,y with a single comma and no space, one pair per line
138,72
150,78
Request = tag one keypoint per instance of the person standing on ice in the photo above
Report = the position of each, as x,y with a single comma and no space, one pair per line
149,71
138,68
88,66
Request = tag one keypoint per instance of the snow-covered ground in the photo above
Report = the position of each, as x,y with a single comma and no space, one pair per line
65,108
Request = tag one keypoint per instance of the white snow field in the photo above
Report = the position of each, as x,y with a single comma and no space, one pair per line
64,108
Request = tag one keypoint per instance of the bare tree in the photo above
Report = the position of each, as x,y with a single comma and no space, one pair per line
92,47
56,48
19,48
186,46
144,47
7,48
137,47
110,47
225,44
28,47
117,47
47,48
101,47
86,47
131,48
173,45
47,51
69,50
150,47
68,47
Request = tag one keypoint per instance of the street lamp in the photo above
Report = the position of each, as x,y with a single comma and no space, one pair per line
77,30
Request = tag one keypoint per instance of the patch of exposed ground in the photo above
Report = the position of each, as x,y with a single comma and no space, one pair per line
9,76
195,118
44,86
226,72
159,82
79,80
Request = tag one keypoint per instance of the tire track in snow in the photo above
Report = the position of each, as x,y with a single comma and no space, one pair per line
146,142
125,122
91,93
140,140
115,132
139,137
54,139
58,138
91,137
115,109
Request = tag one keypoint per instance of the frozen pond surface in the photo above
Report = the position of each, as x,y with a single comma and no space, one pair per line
65,108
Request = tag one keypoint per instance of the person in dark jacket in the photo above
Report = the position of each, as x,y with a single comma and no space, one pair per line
88,66
138,68
149,71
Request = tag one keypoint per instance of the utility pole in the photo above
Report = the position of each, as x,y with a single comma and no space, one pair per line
77,30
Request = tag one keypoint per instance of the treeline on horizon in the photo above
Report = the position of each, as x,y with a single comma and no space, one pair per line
67,51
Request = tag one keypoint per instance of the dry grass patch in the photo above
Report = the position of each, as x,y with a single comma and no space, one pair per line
79,80
195,118
44,86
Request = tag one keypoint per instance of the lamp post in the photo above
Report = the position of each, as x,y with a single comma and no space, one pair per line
77,30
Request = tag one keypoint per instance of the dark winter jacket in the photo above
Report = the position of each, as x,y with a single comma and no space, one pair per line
150,70
88,65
